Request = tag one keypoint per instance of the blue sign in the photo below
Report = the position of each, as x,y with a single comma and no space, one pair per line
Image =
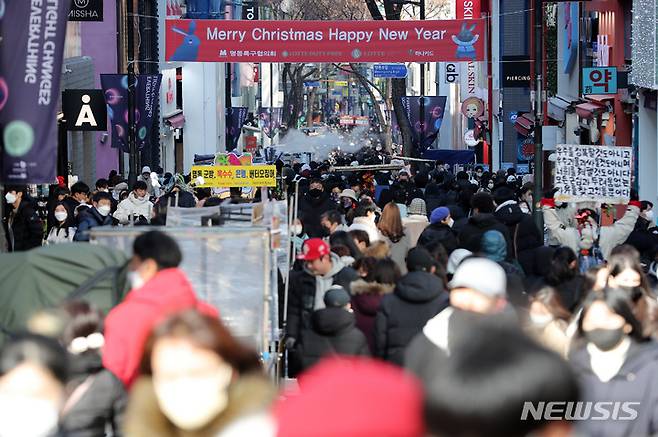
506,165
312,84
523,168
390,71
600,80
513,115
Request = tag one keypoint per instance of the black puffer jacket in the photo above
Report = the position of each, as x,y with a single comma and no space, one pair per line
24,228
310,210
471,233
333,331
438,233
524,234
102,402
418,297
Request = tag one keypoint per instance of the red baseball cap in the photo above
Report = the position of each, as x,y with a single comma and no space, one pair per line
314,248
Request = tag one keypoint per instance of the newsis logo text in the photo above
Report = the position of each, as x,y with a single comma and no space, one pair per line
578,411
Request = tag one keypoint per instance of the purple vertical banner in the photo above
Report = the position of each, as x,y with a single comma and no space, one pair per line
115,88
434,109
31,49
270,124
235,119
147,98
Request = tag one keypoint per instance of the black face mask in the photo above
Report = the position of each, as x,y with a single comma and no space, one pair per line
315,193
324,232
605,339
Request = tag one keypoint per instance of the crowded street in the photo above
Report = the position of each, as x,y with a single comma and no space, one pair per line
328,218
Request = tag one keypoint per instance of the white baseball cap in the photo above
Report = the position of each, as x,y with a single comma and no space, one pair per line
481,275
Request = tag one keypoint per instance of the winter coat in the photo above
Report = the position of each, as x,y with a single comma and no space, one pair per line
398,251
310,211
470,235
23,227
366,299
59,235
524,234
333,331
89,219
133,207
307,292
248,395
98,400
414,225
609,236
438,233
418,297
636,381
129,324
366,224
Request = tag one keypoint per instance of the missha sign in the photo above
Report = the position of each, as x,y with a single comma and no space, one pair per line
86,10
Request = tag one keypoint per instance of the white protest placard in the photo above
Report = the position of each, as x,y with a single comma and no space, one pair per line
593,173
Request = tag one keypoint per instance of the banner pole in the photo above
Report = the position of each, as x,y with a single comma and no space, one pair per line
132,160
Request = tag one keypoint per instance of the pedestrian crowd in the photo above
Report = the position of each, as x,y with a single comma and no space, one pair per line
422,302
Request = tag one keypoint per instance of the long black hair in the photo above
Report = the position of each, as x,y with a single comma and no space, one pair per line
66,224
619,303
561,269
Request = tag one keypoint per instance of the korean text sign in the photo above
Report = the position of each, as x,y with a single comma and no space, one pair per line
593,173
324,41
600,80
235,175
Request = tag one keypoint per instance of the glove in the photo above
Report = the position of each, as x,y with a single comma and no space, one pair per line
290,343
550,203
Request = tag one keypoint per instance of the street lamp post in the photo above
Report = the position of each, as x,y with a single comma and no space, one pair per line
132,161
539,102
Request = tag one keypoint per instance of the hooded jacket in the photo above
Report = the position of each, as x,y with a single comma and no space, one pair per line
310,211
366,299
333,331
438,233
418,297
636,381
307,293
133,207
89,219
524,234
470,235
129,324
101,404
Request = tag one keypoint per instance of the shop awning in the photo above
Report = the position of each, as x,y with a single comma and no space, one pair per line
557,108
525,124
589,109
175,121
601,97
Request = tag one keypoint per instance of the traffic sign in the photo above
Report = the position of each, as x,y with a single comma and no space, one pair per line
312,84
390,71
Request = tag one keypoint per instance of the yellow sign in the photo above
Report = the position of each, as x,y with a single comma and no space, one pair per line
340,83
215,176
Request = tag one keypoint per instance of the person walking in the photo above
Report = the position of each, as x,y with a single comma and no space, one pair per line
137,208
98,215
63,230
399,243
416,221
23,226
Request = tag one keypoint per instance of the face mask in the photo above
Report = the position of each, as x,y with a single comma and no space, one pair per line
479,174
490,186
315,192
605,339
141,198
649,215
450,222
540,319
10,198
103,210
135,280
347,203
27,417
192,403
104,190
297,229
61,216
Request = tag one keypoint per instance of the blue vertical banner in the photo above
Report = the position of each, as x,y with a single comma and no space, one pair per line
235,119
434,109
147,99
31,49
115,88
270,123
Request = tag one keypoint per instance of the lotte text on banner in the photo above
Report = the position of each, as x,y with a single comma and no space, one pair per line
324,41
235,175
593,173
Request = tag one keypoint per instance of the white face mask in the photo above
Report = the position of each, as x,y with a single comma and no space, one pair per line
135,280
27,417
540,319
649,215
450,222
490,185
60,216
297,229
192,403
104,210
10,198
